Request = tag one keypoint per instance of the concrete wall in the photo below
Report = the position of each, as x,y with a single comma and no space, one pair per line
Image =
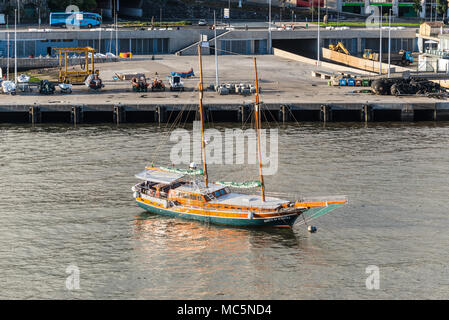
295,57
178,39
359,63
36,42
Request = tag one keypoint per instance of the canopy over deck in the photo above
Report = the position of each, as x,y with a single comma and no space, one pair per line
159,176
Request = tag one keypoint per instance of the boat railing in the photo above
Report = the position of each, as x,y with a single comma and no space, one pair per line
213,209
301,198
330,198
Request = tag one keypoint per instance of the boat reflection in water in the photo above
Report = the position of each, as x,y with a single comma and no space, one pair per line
214,261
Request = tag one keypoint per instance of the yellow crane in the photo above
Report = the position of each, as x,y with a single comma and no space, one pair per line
339,47
76,76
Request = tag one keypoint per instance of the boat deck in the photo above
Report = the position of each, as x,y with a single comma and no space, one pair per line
247,200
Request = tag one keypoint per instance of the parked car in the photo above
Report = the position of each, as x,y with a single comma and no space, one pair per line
202,22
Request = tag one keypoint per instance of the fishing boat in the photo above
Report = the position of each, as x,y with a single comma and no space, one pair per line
188,193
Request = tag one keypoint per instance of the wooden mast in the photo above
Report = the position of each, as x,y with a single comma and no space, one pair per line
258,122
203,143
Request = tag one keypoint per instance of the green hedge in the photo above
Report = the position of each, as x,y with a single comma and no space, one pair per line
155,24
362,24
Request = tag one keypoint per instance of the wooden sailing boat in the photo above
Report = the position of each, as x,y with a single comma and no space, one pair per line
189,194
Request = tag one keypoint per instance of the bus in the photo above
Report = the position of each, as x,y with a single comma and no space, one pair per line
81,19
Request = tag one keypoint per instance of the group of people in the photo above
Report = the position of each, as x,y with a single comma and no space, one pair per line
95,83
139,84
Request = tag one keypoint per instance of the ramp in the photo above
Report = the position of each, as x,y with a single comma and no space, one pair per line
356,62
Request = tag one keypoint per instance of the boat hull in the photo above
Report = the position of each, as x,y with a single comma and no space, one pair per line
280,221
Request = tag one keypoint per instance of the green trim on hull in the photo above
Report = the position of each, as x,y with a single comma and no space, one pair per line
313,213
287,221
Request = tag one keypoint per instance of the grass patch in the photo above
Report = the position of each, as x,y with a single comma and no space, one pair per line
363,24
164,24
36,75
34,79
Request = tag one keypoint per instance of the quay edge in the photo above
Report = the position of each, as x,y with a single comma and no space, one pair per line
234,112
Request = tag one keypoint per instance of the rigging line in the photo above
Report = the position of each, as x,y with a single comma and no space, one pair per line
186,117
265,116
210,118
249,117
166,133
291,112
272,117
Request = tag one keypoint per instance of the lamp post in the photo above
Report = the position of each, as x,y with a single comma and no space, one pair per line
7,61
38,17
269,27
216,48
99,33
389,41
18,11
116,36
318,40
15,46
380,44
229,18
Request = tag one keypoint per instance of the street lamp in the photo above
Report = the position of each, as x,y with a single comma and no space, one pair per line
15,46
216,53
389,40
18,11
229,18
318,40
269,27
38,16
380,44
7,61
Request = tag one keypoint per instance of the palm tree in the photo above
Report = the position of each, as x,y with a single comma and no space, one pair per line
442,7
417,6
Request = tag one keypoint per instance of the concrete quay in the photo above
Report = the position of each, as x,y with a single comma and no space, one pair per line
289,93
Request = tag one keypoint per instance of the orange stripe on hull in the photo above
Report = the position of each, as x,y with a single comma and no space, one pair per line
317,204
199,211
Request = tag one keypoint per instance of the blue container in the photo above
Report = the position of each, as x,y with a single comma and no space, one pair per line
351,82
343,82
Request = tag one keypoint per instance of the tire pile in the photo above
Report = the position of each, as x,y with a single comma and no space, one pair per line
411,86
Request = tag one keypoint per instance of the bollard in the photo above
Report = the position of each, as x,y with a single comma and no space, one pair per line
34,115
119,114
407,113
325,113
161,114
243,114
75,115
285,113
366,113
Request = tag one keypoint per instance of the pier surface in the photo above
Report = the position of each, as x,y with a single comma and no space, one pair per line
289,93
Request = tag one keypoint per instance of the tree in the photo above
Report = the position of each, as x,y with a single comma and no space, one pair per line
417,6
61,5
442,7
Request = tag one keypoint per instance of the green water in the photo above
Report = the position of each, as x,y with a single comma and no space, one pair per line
66,200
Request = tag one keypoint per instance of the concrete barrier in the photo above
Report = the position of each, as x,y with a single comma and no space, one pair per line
37,63
291,56
356,62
